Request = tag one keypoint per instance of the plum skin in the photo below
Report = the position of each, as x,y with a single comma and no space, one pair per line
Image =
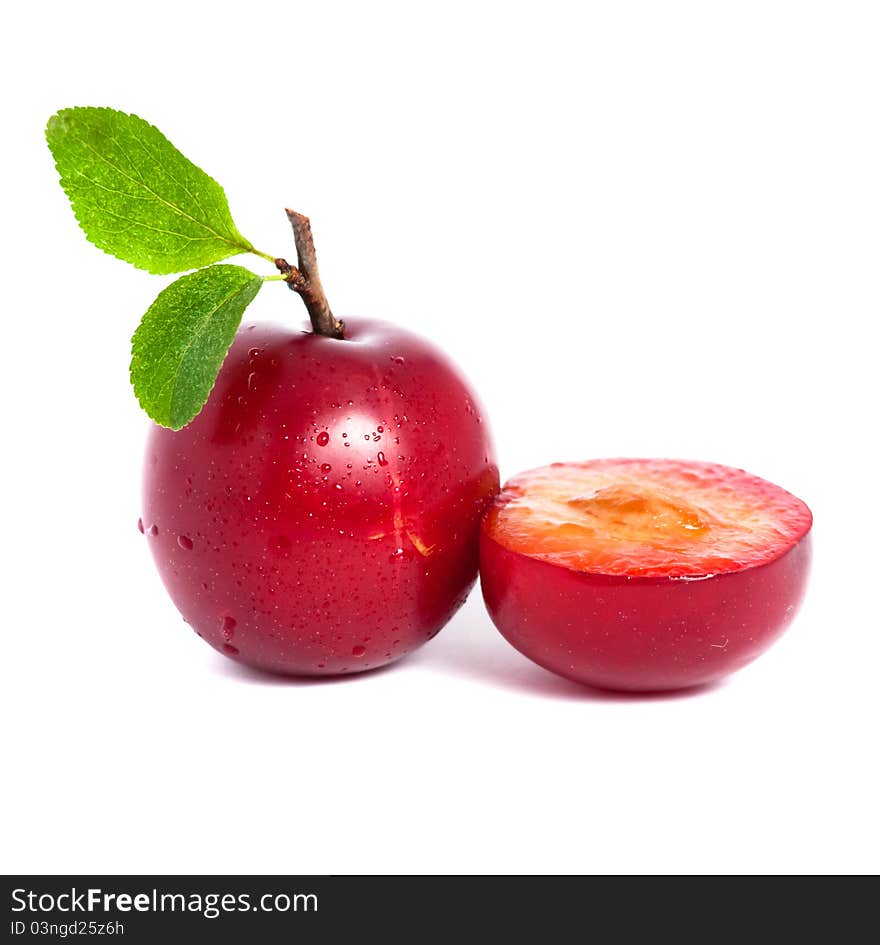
640,634
321,514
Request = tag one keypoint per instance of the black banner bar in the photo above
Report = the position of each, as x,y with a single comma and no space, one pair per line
269,909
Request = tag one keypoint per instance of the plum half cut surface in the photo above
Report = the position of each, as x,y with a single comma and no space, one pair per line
643,574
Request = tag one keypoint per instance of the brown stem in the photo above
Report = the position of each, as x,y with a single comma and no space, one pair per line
305,279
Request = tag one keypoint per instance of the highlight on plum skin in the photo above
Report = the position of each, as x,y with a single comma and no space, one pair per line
643,575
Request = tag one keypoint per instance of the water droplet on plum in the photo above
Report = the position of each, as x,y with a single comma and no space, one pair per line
141,525
323,438
185,542
227,627
358,650
382,460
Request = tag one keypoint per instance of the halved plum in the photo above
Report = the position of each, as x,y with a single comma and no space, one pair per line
643,574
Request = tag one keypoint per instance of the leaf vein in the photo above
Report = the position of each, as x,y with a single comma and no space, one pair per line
171,206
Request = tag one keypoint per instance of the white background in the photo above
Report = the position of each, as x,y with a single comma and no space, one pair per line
640,229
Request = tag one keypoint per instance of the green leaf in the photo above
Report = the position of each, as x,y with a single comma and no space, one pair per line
182,340
136,196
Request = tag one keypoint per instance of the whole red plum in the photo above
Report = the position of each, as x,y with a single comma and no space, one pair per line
321,514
